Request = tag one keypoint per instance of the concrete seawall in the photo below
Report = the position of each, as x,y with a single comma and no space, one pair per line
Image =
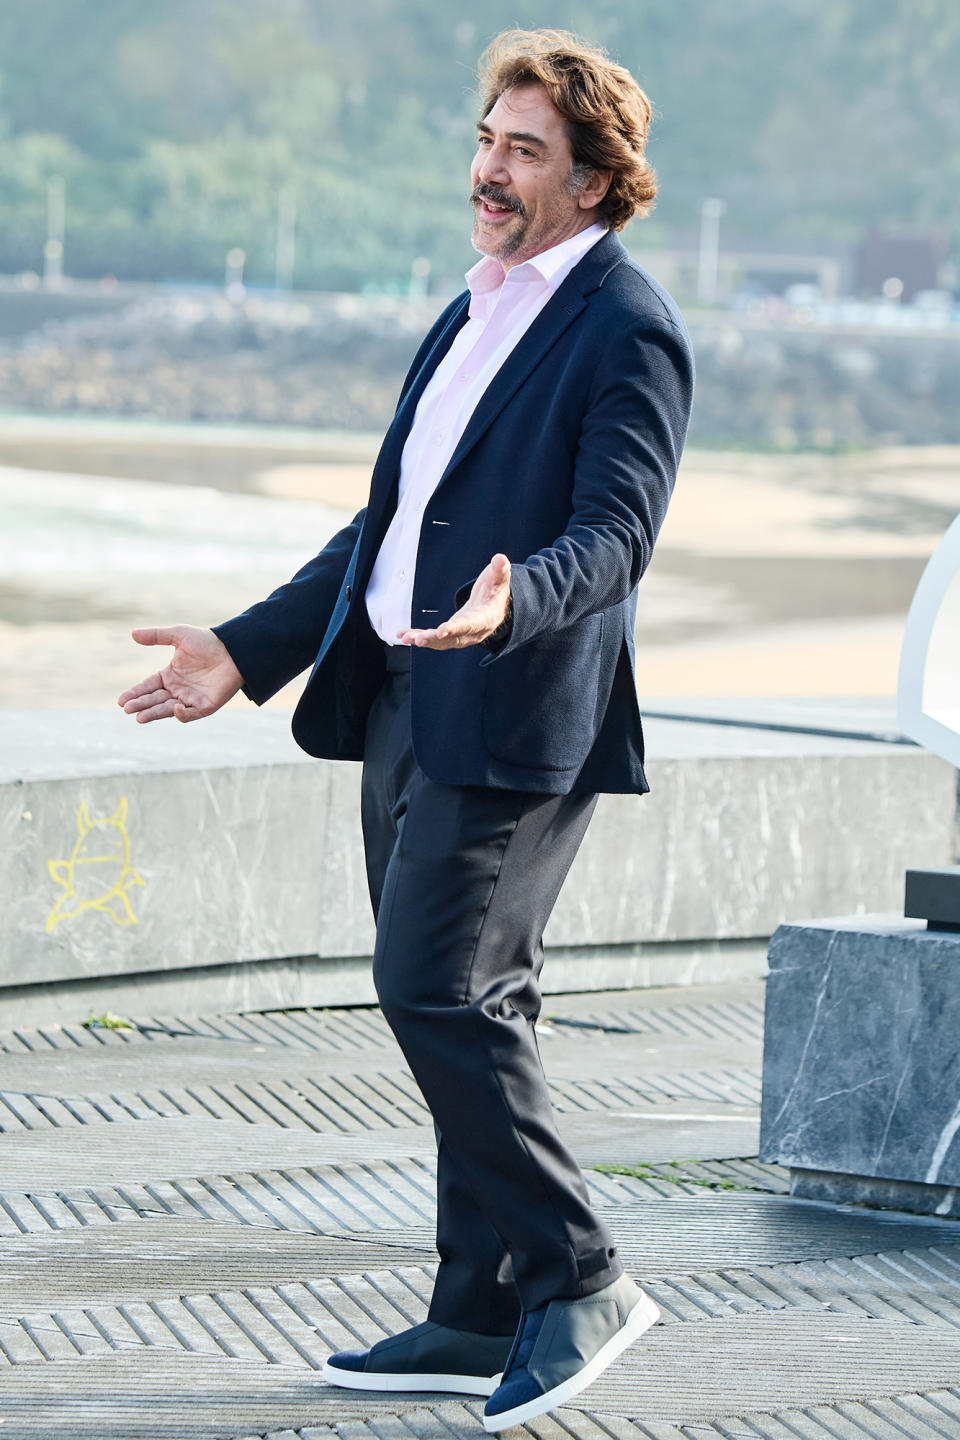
216,865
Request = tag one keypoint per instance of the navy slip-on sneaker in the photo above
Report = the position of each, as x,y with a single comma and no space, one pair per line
518,1386
562,1347
426,1357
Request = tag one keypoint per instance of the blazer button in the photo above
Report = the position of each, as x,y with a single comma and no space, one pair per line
348,592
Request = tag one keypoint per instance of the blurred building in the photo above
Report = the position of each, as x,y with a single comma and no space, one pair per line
754,271
918,259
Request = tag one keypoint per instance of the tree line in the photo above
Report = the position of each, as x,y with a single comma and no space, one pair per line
185,130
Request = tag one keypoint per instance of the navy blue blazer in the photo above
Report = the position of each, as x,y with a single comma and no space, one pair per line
566,466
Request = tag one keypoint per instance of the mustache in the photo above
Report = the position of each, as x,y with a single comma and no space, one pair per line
484,191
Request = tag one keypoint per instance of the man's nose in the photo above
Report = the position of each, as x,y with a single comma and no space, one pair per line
493,167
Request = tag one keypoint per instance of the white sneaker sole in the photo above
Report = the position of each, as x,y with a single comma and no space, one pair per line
374,1380
644,1314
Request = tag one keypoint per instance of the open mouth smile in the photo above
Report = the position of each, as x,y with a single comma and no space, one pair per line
492,209
494,213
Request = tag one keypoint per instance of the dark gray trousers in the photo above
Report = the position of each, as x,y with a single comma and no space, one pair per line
463,880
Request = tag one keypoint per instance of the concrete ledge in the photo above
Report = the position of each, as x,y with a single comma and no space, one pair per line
143,852
827,1186
310,980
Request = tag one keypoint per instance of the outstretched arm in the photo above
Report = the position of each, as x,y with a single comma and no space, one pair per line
199,679
272,642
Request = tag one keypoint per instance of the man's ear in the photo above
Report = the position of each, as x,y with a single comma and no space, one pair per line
596,187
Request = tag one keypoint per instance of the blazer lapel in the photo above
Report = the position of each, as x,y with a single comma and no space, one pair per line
388,461
386,471
559,312
545,331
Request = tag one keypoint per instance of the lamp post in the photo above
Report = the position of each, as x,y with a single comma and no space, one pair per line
708,272
53,247
286,236
419,276
233,277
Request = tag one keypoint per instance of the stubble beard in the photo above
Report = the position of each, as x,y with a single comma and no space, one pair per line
504,246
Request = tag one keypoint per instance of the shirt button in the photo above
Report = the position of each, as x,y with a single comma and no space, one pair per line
403,574
438,439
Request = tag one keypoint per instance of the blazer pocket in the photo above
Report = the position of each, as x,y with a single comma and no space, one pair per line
540,701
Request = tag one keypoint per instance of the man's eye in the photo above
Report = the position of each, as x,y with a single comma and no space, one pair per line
522,150
483,139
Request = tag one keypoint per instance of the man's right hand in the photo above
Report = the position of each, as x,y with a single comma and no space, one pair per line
200,678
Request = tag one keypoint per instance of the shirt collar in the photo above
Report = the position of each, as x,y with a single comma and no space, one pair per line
486,279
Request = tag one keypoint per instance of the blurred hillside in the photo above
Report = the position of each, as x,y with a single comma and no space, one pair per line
187,129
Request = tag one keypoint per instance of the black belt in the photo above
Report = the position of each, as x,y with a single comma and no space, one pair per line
398,658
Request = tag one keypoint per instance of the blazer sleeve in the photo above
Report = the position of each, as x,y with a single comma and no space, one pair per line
629,447
278,637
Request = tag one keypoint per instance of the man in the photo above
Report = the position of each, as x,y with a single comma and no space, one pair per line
471,637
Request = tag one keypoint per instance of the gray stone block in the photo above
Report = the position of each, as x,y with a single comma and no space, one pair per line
861,1069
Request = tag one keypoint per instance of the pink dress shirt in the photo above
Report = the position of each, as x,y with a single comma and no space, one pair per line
502,308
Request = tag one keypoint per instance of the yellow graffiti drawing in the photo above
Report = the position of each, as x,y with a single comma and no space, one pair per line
98,873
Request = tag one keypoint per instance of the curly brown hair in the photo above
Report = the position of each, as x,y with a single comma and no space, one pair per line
607,113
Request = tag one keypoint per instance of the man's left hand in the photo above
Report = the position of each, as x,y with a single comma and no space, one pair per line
484,612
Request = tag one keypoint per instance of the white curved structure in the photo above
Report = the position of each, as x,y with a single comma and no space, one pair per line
928,690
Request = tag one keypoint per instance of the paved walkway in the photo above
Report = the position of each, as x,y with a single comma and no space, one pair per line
194,1212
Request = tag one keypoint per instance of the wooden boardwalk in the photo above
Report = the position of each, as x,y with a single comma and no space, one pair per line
195,1211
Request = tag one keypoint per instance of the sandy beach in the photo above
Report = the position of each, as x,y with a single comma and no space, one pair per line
774,575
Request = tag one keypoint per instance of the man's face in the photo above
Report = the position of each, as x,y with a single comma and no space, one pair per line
521,179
